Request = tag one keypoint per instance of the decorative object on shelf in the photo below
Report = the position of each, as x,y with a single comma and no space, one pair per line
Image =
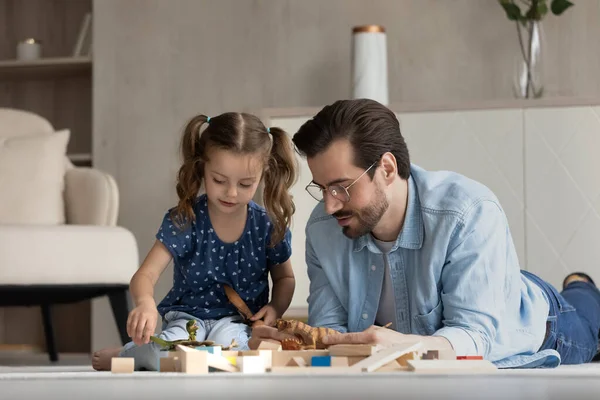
83,46
29,49
369,63
529,74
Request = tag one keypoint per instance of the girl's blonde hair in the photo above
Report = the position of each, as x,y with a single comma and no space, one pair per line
243,134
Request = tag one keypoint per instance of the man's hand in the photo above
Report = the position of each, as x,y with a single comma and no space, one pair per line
268,314
263,332
385,337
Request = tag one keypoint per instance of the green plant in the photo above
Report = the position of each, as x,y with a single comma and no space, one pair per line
533,11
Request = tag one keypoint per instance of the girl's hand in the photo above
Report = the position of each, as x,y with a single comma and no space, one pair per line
142,322
268,314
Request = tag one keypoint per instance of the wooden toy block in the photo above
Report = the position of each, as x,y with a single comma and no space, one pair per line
353,350
469,357
248,353
296,362
340,361
269,345
392,367
451,366
216,350
413,355
169,364
192,361
267,356
431,355
232,360
354,359
320,361
281,358
221,363
230,353
122,365
446,354
384,356
251,364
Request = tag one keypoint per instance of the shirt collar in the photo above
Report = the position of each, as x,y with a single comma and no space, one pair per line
411,235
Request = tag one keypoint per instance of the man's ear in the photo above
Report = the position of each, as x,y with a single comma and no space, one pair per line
388,167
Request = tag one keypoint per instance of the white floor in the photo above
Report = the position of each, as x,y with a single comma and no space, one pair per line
33,377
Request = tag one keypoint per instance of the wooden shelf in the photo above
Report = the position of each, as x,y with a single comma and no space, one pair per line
80,157
45,68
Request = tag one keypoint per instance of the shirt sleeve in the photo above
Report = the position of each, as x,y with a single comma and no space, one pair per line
324,307
475,280
282,250
177,239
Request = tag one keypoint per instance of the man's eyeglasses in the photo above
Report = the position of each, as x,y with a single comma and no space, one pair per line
339,192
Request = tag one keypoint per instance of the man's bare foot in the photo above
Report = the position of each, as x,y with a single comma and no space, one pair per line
101,360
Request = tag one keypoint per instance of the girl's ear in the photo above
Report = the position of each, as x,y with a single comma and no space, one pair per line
388,167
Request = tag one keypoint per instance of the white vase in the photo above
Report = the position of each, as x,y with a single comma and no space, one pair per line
369,63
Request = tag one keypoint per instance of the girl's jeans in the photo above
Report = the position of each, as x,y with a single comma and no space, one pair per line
573,321
220,331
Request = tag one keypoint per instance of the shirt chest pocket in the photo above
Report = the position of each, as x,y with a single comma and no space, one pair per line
427,324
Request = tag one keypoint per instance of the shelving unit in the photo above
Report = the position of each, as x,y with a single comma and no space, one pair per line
45,68
59,88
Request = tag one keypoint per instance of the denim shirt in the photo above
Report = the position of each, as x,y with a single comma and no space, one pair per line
454,269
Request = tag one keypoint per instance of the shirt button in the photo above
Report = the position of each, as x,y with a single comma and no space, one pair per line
373,268
365,316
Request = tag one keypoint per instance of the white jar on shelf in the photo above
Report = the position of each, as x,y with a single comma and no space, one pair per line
29,50
369,63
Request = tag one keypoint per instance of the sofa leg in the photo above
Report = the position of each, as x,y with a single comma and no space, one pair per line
119,304
49,332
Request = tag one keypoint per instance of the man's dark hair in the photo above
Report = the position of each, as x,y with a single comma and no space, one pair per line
371,128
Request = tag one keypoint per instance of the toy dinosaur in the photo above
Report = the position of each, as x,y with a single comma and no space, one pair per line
241,306
304,336
191,327
301,336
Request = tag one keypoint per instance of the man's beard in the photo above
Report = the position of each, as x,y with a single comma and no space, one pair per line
367,217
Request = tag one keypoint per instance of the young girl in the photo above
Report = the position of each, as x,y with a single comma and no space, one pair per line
218,238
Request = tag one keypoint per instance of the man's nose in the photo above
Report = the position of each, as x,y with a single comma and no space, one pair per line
332,204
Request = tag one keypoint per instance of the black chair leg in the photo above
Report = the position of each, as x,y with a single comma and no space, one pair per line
49,332
120,307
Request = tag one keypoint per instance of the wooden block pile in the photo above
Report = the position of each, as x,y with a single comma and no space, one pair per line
270,358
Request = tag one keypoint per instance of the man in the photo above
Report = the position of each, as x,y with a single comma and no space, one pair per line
430,252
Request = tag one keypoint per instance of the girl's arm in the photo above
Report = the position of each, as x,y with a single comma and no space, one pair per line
142,320
284,285
143,281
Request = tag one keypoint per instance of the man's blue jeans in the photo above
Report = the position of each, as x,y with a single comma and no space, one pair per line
573,325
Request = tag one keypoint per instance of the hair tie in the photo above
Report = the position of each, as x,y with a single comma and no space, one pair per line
207,120
268,130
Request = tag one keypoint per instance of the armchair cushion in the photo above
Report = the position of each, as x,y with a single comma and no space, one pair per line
32,170
66,255
91,196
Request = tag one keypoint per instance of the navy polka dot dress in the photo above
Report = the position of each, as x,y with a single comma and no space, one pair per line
203,263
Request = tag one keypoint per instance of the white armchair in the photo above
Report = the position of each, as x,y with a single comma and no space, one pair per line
59,241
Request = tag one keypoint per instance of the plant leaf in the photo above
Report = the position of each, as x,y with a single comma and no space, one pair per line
542,9
559,6
513,12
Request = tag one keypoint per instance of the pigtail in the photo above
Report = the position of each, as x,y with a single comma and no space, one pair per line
280,175
191,172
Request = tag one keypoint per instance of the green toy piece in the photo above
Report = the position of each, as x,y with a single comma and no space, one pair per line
191,327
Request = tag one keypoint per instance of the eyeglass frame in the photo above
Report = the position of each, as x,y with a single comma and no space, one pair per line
322,189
